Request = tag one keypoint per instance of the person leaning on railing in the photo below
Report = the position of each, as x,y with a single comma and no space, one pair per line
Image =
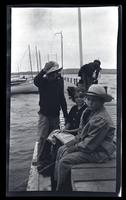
89,74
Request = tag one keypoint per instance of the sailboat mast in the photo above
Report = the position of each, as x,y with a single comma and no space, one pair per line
80,37
48,57
37,58
40,60
30,60
18,69
56,57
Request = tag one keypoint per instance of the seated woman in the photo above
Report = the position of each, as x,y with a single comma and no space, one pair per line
74,115
94,141
73,120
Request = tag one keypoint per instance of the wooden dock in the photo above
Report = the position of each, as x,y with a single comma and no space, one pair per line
84,177
37,182
94,177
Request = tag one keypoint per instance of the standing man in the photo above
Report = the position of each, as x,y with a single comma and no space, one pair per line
51,99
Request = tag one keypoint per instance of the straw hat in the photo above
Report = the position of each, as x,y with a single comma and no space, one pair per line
54,67
99,91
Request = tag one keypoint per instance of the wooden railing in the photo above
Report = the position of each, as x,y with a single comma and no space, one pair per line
71,79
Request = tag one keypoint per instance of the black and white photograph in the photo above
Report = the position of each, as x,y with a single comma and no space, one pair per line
64,136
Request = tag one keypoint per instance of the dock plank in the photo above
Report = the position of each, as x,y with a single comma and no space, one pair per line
101,186
94,174
111,163
97,177
44,183
33,184
36,181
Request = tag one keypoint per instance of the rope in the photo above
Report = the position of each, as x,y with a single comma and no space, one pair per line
47,166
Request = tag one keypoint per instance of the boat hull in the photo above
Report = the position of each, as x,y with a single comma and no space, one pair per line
24,88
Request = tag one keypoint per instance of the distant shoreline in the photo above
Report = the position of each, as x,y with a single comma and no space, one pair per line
68,71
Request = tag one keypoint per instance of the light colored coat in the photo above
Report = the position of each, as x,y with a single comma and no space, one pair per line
97,134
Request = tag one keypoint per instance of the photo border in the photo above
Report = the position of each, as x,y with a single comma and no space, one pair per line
119,105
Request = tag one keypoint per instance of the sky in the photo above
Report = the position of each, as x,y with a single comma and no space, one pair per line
37,27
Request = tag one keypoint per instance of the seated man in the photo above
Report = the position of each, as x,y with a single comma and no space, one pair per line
94,142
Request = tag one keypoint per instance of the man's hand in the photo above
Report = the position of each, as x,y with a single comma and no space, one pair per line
48,66
72,149
65,131
53,140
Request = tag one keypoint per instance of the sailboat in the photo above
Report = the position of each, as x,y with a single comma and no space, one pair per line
18,80
24,85
24,88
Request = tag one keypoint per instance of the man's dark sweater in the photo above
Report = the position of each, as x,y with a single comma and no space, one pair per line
51,95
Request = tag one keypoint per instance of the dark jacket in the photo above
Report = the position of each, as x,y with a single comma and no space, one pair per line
74,116
52,97
89,69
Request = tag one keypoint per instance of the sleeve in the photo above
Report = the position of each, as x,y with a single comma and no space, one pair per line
97,131
63,103
39,78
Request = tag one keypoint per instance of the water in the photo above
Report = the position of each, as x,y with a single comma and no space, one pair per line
23,133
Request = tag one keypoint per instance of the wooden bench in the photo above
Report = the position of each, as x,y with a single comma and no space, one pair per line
94,177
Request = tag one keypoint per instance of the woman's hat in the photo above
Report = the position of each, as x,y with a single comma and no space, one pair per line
99,91
54,67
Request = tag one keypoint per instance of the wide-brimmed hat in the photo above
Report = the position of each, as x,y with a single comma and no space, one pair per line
100,92
54,67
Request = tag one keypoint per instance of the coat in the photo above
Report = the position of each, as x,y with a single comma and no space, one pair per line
96,133
52,97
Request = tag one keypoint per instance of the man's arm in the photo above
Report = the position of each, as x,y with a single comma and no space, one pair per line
95,136
39,78
63,99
